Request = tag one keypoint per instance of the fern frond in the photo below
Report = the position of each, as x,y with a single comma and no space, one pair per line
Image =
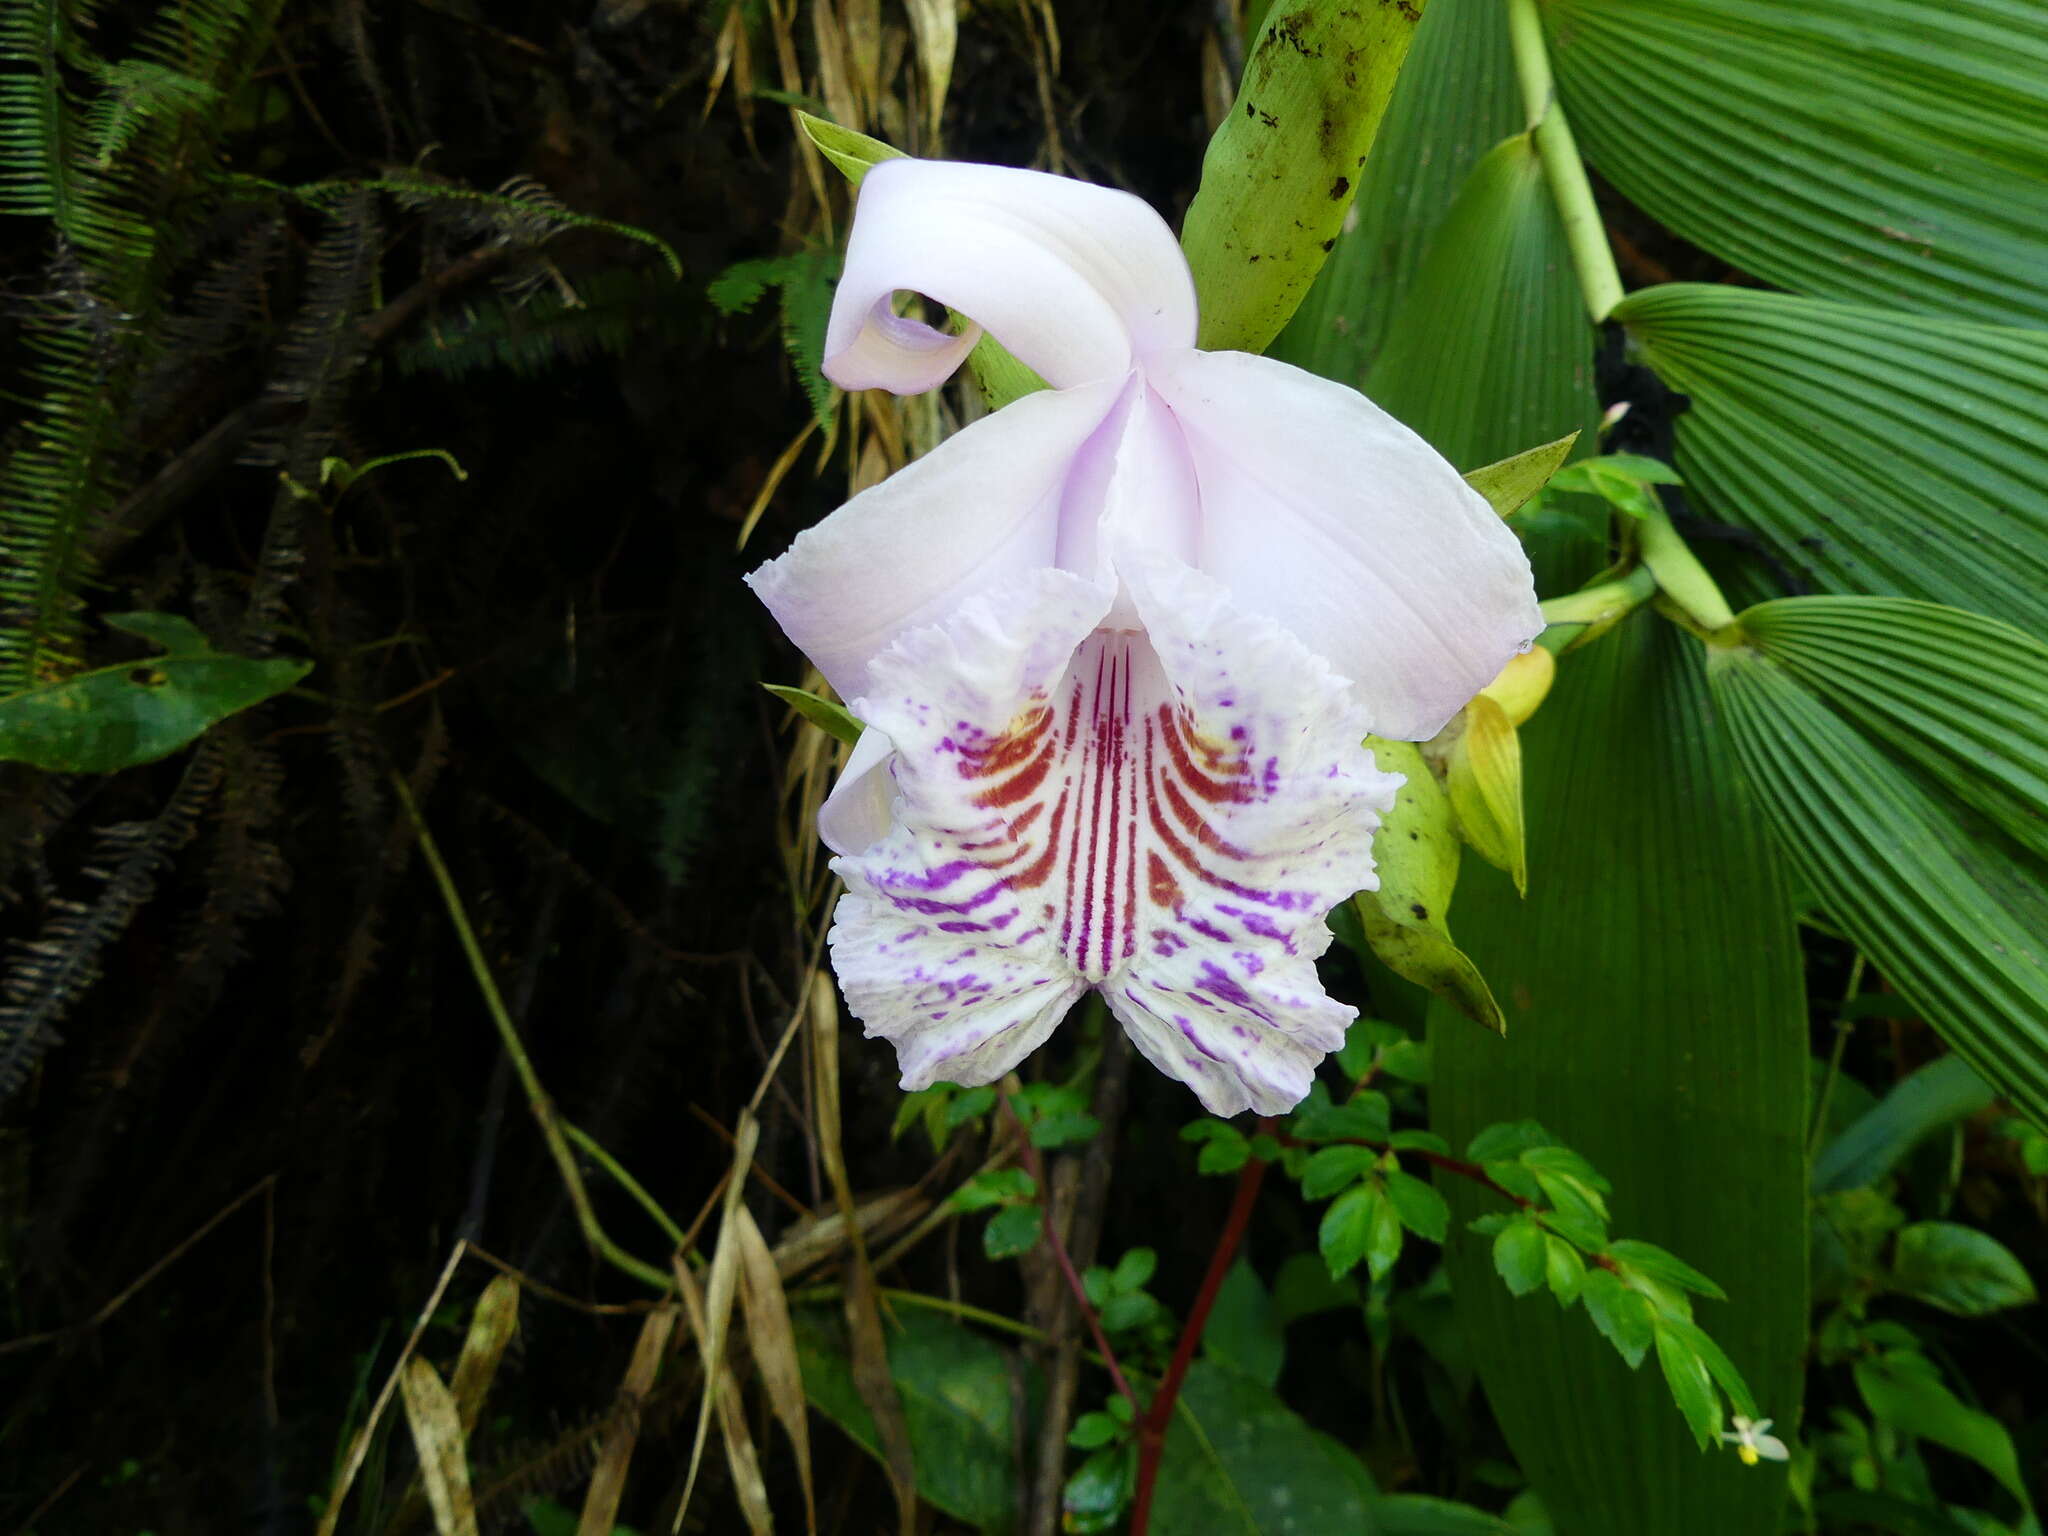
52,971
107,177
804,279
133,93
609,313
522,213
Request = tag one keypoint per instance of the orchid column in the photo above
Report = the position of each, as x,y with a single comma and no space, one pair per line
1117,647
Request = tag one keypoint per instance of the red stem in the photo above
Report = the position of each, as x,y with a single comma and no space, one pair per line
1152,1425
1035,1166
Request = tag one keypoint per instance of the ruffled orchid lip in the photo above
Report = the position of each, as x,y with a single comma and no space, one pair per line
1117,645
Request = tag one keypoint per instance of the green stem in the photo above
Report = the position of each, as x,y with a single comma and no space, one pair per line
593,1150
1601,602
1585,233
959,1309
537,1098
1843,1025
1679,572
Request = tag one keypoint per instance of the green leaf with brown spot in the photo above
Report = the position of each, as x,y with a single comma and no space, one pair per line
1282,170
117,717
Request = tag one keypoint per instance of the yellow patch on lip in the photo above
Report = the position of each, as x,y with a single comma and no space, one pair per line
1748,1455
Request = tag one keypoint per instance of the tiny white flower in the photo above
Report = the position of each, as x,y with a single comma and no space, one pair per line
1752,1444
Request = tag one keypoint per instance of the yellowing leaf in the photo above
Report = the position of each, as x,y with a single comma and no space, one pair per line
437,1433
1416,854
1485,784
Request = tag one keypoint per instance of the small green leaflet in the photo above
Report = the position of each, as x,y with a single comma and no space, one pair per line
1507,484
137,712
1623,480
827,716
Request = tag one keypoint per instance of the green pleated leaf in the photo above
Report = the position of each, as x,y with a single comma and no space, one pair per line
1874,452
1455,100
1963,697
1944,906
1491,349
1639,1042
1282,169
1882,151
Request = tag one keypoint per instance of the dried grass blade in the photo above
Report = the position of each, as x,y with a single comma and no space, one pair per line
870,1350
723,1390
492,1327
722,1275
935,25
437,1433
772,1337
608,1478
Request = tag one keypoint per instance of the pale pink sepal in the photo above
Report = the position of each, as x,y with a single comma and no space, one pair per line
1076,280
1325,514
981,510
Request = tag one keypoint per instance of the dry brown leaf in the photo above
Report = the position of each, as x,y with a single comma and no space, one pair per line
868,1347
437,1434
772,1337
608,1478
723,1274
492,1327
935,24
816,1239
835,68
723,1390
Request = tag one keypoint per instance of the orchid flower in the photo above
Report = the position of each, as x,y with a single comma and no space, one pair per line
1116,647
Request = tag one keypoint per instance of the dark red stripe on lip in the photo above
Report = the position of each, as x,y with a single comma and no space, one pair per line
1036,874
1009,749
1197,828
1234,789
1019,784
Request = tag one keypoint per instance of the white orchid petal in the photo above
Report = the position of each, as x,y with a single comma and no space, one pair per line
1133,483
1076,280
980,510
942,942
1321,511
856,815
1771,1448
1264,805
1166,815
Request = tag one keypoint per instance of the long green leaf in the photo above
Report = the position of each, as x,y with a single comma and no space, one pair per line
1881,151
1655,1023
1939,901
1490,350
1874,452
1282,169
1455,100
